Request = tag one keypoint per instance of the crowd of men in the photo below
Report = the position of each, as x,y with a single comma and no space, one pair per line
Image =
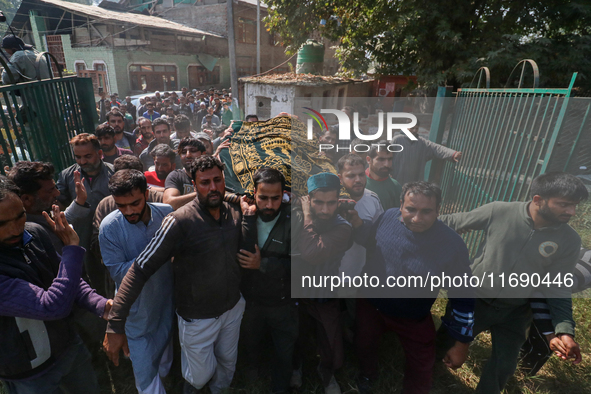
206,110
151,219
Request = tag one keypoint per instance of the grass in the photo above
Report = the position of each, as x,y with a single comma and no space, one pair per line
556,377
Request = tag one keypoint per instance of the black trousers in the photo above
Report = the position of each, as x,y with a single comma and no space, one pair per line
280,323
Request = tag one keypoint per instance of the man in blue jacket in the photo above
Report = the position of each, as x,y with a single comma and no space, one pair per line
410,242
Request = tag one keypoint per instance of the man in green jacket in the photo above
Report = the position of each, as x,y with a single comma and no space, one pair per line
526,240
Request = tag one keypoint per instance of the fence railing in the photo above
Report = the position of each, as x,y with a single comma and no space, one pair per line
38,118
507,137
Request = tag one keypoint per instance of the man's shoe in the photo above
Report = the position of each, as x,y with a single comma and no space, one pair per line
296,378
333,387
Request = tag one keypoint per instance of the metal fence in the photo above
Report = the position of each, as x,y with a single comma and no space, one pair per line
507,137
38,119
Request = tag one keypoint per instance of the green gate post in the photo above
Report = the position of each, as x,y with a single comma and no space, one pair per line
440,115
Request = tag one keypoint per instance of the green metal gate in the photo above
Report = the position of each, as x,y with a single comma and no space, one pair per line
507,138
38,118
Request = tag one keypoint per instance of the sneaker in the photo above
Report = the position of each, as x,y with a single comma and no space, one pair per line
296,378
333,387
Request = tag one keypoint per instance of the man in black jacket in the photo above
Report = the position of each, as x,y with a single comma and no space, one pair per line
266,280
204,237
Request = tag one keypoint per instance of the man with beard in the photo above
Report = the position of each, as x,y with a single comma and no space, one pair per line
322,242
40,351
123,235
106,136
96,174
379,162
178,187
403,243
146,135
38,193
329,137
116,119
524,238
266,281
409,164
162,133
164,158
204,238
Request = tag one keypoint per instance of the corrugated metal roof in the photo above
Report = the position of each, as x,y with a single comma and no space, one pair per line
104,15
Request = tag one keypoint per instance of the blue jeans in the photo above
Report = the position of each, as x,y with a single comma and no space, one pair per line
72,372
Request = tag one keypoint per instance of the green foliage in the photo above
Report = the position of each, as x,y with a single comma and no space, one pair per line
446,41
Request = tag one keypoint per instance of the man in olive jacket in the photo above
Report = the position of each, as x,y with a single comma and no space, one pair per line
522,239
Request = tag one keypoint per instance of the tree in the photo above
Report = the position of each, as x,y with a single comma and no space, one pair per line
445,42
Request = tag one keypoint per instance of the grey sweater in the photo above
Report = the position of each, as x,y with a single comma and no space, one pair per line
512,245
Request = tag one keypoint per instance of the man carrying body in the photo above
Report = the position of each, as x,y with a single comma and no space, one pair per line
178,187
379,181
164,158
405,242
161,130
204,238
106,137
266,280
523,238
409,164
124,234
40,351
322,242
329,137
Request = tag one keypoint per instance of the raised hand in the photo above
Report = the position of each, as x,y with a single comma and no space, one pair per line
60,227
247,206
81,194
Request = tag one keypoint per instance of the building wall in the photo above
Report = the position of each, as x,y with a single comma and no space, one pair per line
117,62
211,18
280,98
123,59
91,55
